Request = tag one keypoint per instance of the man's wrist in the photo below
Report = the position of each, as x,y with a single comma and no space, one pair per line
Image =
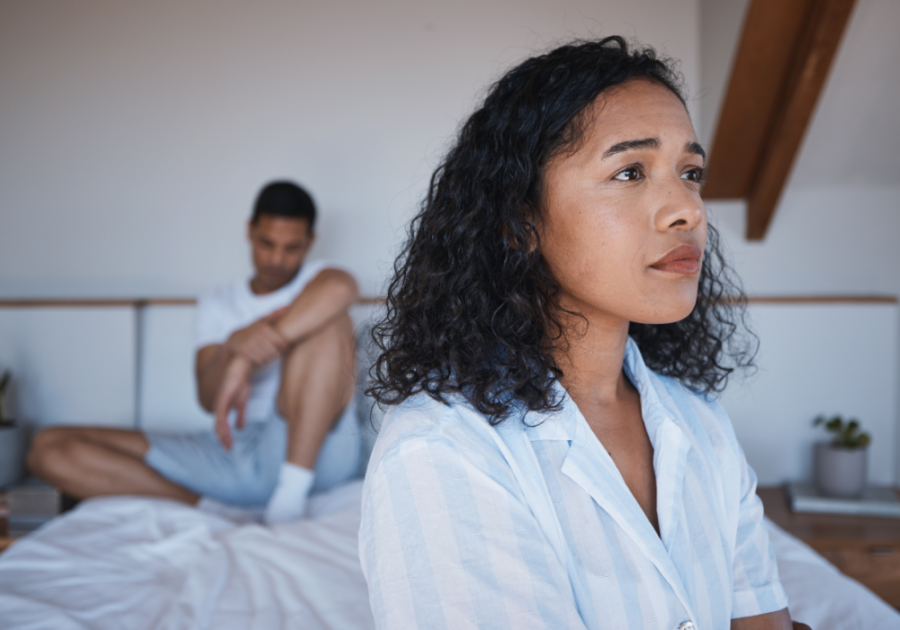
287,343
231,344
240,363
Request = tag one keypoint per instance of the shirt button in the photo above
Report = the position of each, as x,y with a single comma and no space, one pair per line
686,625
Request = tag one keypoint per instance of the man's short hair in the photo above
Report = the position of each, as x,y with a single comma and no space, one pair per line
285,199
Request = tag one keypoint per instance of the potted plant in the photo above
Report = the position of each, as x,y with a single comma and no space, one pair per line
10,442
841,465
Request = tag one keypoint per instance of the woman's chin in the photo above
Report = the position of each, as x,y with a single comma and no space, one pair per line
669,312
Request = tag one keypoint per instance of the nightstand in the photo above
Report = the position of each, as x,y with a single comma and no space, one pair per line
863,547
5,541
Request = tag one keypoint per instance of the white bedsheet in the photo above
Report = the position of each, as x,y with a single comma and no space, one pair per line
821,596
136,563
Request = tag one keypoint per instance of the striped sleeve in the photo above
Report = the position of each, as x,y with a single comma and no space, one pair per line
447,542
757,588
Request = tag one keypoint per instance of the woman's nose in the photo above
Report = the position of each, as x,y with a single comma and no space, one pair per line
679,207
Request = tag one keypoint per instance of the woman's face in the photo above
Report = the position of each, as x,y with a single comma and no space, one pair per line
623,227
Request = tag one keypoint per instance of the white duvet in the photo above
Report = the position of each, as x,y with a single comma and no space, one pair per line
133,563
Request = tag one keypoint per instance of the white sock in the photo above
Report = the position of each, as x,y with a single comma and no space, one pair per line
288,502
234,513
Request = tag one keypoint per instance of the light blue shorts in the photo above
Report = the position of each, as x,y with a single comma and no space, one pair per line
247,474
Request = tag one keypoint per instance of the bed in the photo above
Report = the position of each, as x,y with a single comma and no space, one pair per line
142,564
138,563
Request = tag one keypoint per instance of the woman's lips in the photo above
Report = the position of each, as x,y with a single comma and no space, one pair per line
684,259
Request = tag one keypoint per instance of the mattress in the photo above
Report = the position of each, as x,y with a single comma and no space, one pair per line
139,563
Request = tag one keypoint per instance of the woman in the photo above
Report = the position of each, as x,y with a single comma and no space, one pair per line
558,318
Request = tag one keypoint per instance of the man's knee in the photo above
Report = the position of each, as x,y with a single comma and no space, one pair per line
46,448
335,339
333,345
339,330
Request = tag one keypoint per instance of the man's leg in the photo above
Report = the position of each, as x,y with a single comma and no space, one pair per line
90,462
317,382
318,377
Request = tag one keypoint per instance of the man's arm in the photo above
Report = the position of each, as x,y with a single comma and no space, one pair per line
209,368
326,296
259,343
223,373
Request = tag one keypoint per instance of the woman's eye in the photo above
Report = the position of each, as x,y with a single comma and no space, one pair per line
694,175
629,174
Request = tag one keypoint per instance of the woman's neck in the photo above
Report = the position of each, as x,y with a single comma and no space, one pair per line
592,360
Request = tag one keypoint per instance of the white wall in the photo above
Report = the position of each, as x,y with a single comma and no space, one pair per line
70,365
817,359
167,393
134,136
835,231
827,241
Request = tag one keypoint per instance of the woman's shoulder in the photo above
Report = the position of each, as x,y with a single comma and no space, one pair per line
418,414
447,427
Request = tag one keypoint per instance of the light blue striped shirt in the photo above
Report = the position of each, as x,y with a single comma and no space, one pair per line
465,525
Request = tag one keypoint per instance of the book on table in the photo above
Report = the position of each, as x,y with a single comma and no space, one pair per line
30,504
875,501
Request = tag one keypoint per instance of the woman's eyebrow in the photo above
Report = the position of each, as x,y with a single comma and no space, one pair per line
650,143
630,145
696,149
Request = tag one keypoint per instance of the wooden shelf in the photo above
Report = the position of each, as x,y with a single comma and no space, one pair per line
183,301
822,299
122,302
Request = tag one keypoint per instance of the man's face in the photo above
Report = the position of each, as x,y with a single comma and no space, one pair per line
279,246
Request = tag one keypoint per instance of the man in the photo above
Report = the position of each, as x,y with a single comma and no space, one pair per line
275,357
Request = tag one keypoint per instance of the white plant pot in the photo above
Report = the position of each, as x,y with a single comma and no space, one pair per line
840,471
11,454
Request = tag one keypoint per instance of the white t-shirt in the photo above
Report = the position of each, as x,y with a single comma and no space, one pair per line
230,307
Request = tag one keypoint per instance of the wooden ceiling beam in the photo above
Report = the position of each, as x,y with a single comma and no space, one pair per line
780,68
757,80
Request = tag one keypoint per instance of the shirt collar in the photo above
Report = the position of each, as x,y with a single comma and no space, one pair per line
587,463
562,424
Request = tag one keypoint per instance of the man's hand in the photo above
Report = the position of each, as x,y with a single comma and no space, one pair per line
260,342
233,394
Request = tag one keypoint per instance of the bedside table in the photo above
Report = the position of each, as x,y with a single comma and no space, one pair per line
5,540
863,547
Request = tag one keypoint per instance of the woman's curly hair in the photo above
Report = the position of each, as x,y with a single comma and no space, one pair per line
473,308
